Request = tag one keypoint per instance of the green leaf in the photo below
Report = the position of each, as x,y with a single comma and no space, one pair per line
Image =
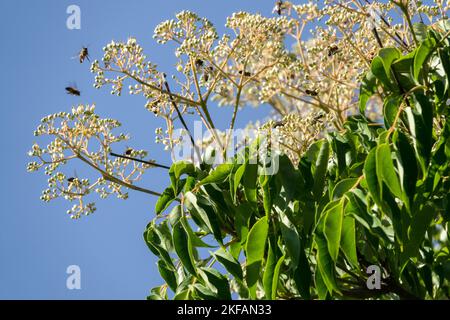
407,165
177,170
183,295
198,205
322,290
342,187
381,67
321,169
218,175
390,109
184,248
276,277
348,241
164,200
168,275
217,283
291,238
269,270
230,263
303,276
367,89
254,249
249,180
195,240
333,228
325,263
416,233
237,179
422,54
386,171
371,178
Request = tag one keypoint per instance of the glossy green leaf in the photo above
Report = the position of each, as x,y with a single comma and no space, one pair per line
367,89
218,175
348,241
386,170
321,169
164,200
422,54
184,248
177,170
250,181
254,249
168,275
230,263
269,270
333,229
276,277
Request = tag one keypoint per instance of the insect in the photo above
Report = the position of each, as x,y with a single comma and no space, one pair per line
246,73
332,50
319,117
84,54
128,152
199,63
278,7
73,91
71,179
312,93
278,124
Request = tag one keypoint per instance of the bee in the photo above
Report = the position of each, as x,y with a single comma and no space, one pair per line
278,7
71,180
312,93
83,54
332,50
199,63
246,73
278,124
319,117
128,152
73,91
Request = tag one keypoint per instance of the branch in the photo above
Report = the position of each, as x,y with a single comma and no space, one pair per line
153,164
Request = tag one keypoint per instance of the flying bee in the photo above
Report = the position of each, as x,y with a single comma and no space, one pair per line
278,7
312,93
332,50
73,91
83,54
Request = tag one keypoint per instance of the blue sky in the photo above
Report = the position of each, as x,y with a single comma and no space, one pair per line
39,241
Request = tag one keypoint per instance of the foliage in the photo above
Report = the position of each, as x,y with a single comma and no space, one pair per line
364,182
371,194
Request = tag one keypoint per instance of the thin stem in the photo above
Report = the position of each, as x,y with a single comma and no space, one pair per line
153,164
174,104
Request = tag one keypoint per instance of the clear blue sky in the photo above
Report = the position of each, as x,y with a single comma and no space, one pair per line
38,241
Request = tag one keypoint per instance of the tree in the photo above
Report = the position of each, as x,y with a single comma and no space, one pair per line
350,176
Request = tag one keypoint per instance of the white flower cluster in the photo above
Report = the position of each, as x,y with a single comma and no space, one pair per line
83,135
